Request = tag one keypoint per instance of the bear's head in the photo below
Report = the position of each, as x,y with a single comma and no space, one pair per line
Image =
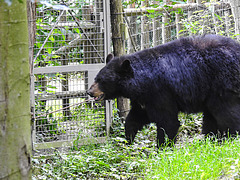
110,80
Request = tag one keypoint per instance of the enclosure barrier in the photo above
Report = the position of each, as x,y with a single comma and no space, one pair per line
68,46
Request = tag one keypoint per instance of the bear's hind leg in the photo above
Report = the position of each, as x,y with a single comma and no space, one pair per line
226,111
210,126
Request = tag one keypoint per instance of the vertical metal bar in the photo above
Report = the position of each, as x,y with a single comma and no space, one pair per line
107,27
107,49
109,116
32,103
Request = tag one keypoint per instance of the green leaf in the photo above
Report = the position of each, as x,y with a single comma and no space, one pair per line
150,10
219,17
52,87
51,38
103,164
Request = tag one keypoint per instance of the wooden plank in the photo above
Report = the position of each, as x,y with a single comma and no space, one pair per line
60,95
146,10
82,24
56,144
69,68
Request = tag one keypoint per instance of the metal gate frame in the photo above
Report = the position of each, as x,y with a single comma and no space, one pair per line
92,70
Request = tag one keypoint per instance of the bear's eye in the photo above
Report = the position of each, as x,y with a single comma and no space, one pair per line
97,79
100,81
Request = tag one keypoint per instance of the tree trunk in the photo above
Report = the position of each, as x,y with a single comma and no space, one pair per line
15,133
235,6
118,46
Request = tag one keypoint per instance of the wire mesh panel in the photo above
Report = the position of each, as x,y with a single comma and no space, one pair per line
154,22
69,50
63,114
69,34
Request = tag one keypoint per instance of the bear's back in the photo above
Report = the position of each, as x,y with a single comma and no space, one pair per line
190,67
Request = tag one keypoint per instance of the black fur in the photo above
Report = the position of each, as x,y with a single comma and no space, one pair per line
195,74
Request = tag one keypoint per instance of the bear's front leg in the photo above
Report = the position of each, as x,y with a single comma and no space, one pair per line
135,121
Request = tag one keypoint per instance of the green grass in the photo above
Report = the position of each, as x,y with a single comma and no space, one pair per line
193,158
200,159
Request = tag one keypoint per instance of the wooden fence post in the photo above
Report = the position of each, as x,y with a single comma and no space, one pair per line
131,20
235,6
156,29
144,28
166,31
178,25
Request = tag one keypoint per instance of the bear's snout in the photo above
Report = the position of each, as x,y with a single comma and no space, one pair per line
89,92
95,92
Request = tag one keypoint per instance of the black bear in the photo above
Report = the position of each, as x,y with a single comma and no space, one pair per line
193,74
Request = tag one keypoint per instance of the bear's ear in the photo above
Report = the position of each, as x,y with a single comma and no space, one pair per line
126,69
109,58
